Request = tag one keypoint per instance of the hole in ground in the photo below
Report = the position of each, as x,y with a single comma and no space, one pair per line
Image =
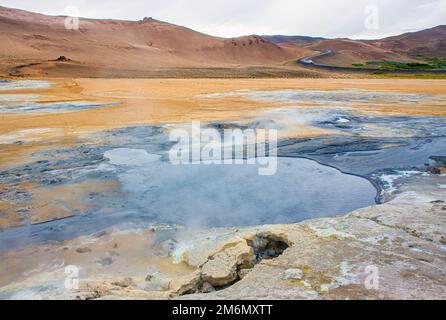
265,246
268,246
237,266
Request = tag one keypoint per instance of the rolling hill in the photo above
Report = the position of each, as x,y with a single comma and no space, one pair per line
31,44
39,45
414,47
428,43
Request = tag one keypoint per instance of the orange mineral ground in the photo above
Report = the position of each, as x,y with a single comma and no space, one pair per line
154,101
161,101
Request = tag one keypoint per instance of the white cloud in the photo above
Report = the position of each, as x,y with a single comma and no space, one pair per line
228,18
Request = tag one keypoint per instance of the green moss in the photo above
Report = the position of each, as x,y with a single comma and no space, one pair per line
438,63
382,74
431,63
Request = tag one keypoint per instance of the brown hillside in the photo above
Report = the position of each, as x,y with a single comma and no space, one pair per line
29,38
348,51
428,43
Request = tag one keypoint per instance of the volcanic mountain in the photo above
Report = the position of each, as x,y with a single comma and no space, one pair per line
31,44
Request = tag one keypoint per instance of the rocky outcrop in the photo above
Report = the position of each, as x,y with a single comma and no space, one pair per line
222,268
390,251
229,263
383,252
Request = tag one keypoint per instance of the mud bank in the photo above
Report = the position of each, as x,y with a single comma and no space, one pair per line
390,251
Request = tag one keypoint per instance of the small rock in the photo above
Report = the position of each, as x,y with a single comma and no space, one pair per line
293,274
127,282
207,288
243,272
104,261
156,281
100,234
63,58
83,250
436,170
185,284
149,277
221,268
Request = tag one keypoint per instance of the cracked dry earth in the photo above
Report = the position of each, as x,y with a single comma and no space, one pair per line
391,251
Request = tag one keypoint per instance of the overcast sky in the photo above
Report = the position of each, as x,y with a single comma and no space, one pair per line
231,18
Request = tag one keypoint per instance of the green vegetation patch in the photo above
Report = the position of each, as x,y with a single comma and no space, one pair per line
392,65
438,63
431,64
382,74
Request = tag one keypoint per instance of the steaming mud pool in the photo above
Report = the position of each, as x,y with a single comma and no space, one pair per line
140,186
109,200
123,177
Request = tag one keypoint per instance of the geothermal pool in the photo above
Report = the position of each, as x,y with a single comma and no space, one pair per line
234,195
149,190
122,177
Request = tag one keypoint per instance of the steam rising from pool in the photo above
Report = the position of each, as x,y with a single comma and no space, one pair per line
234,195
